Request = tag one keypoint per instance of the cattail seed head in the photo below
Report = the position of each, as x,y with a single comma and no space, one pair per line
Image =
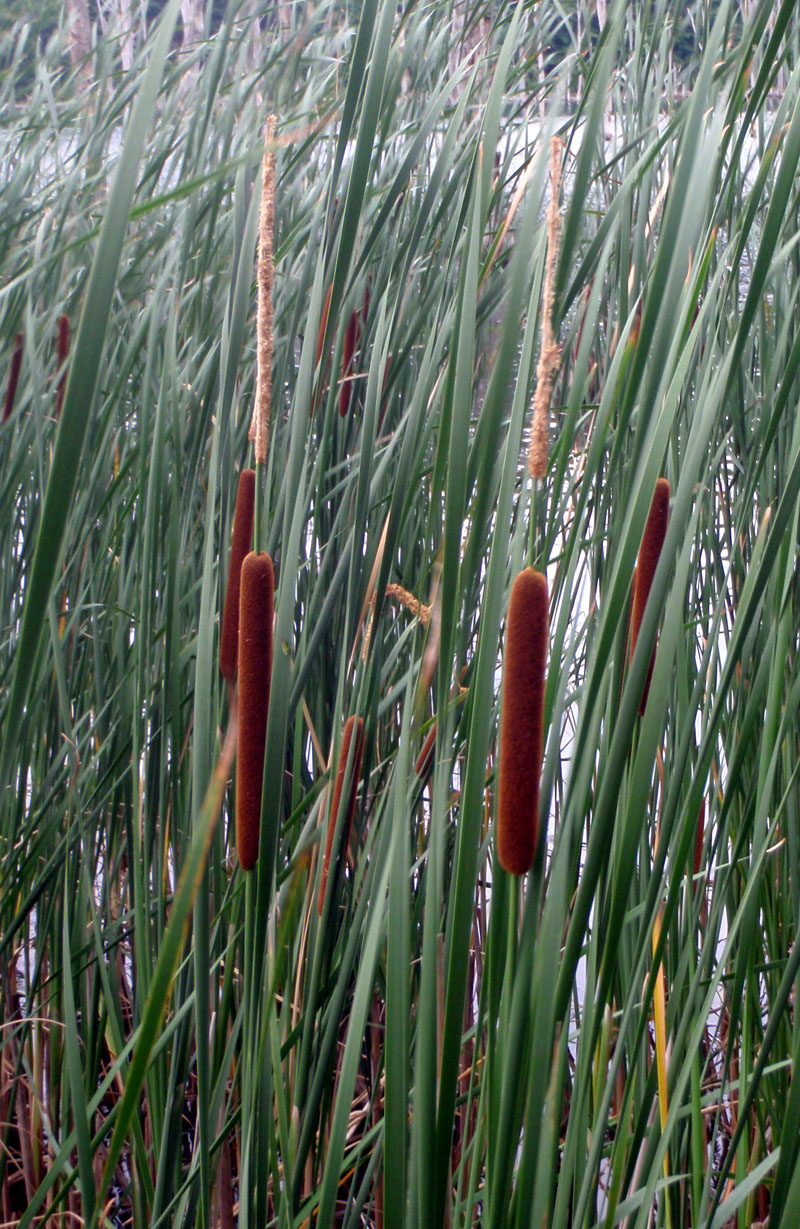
256,607
652,541
323,325
424,762
350,343
13,375
242,543
354,729
522,722
62,350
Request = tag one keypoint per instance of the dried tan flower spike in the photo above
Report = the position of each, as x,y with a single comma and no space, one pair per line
259,426
410,602
550,354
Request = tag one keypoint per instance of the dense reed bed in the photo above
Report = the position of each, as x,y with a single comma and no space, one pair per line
610,1038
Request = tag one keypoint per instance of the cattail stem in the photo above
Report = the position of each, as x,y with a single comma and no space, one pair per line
241,545
256,606
353,734
652,541
13,375
522,722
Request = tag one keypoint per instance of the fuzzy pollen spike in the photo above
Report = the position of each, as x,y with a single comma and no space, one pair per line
242,543
522,722
256,607
652,541
259,426
354,727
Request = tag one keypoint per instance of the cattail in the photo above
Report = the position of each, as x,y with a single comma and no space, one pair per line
242,543
425,759
323,324
13,375
259,426
62,349
256,604
353,724
410,602
522,728
550,354
424,762
698,837
350,343
652,540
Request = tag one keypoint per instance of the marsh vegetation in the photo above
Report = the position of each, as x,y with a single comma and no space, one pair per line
414,1036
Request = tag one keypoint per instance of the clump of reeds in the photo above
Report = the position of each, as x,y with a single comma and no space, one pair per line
13,375
522,722
62,352
354,729
256,606
242,543
652,541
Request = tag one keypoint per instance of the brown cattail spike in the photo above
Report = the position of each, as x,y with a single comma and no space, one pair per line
424,762
522,722
242,543
350,342
256,606
62,348
323,325
652,540
353,724
13,375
